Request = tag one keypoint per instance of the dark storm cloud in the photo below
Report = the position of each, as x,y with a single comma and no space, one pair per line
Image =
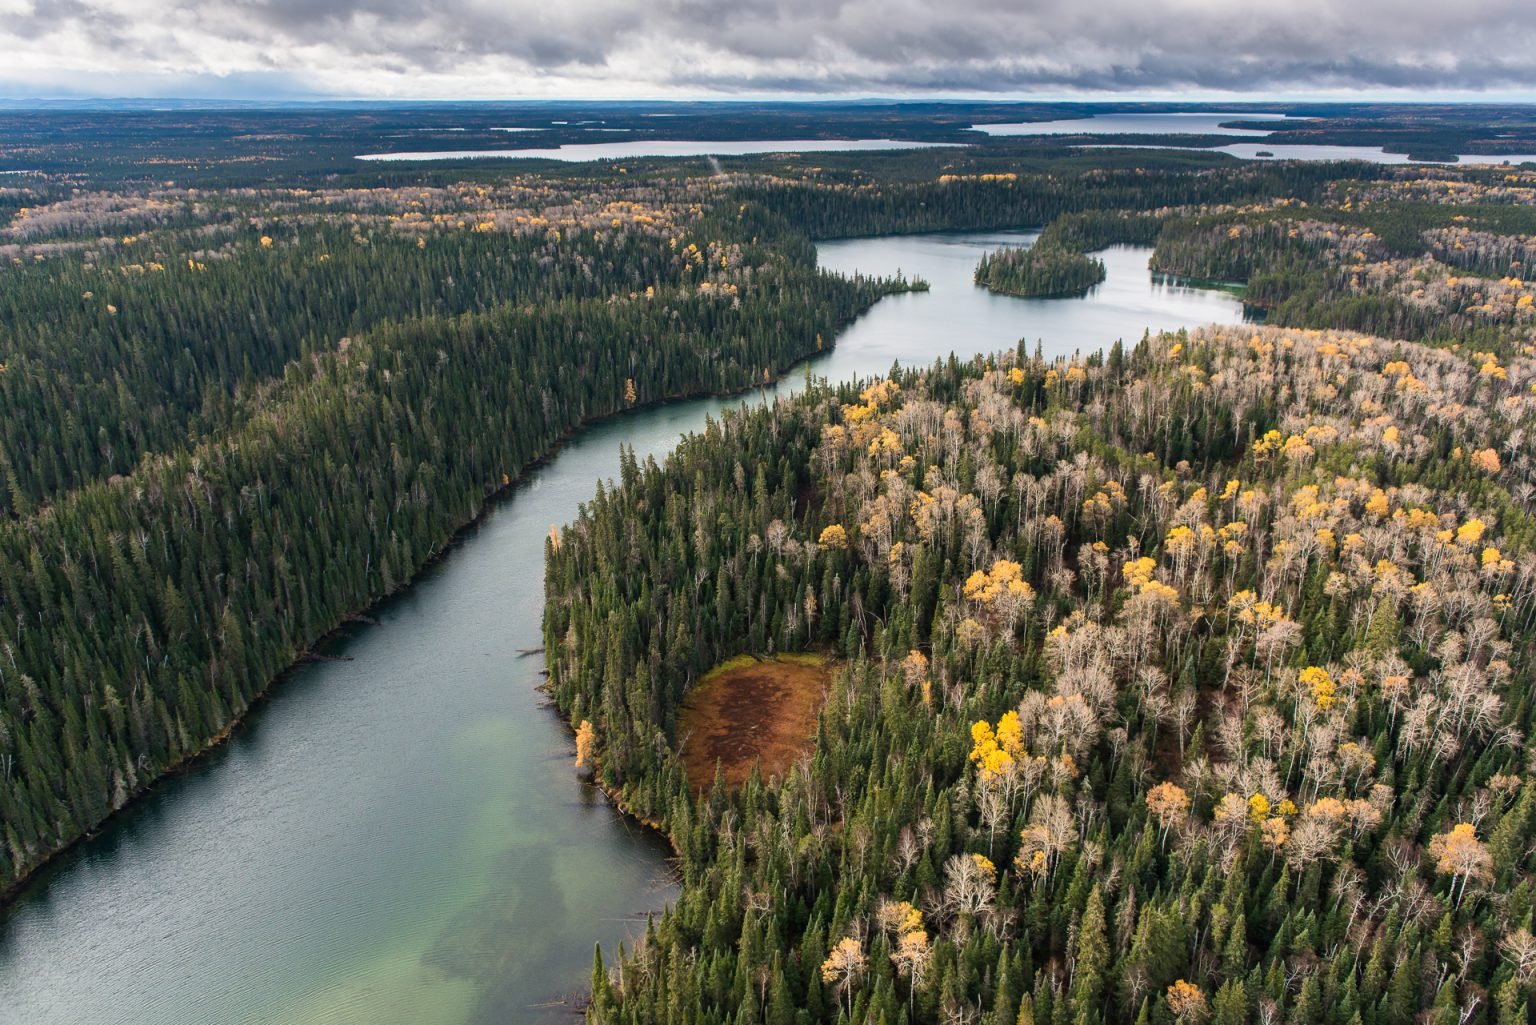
38,22
812,46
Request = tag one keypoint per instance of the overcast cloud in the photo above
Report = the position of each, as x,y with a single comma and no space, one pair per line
479,49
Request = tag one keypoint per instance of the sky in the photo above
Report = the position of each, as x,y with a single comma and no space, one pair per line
674,49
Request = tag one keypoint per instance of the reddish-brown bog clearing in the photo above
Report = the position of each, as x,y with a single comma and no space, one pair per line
752,710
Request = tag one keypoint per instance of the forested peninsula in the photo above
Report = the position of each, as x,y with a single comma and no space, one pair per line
1184,683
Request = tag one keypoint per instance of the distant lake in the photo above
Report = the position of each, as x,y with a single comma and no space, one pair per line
1376,155
1205,123
1106,124
1201,123
579,152
1295,151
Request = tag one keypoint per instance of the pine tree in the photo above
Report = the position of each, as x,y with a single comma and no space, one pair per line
1090,959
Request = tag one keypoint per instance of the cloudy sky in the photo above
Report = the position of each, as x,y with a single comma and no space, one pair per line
487,49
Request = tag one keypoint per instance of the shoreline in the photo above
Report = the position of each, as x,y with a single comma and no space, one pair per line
37,874
1071,294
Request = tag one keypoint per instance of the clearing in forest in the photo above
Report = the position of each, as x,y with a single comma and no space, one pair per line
748,710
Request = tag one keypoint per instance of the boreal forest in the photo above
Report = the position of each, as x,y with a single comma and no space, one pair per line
1187,679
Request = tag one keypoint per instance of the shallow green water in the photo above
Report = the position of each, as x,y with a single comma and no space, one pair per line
401,837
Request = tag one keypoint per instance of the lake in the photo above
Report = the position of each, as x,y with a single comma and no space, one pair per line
1103,124
956,315
1374,154
1211,124
1201,123
400,837
1297,151
579,152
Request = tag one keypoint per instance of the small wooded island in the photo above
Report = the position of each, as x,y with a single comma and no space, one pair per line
1044,270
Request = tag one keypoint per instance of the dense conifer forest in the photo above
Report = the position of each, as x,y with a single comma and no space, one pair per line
1044,270
153,592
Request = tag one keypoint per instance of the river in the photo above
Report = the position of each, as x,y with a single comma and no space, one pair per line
399,836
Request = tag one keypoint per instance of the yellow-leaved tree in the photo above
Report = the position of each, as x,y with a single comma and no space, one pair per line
1462,856
1168,803
844,967
586,744
1186,1001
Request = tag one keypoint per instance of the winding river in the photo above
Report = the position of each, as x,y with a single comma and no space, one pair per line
398,836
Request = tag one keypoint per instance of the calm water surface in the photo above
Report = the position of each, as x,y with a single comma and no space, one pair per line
1374,154
400,837
578,152
1299,151
955,315
1197,123
1211,124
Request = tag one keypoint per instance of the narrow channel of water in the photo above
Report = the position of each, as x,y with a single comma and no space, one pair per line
400,837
